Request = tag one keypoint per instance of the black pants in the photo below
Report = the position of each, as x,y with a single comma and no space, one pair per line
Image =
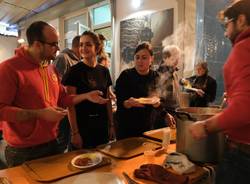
63,137
16,156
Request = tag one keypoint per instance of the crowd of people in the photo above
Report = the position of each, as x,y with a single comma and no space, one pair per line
67,104
47,108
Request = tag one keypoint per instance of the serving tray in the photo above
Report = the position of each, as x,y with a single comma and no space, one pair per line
58,166
129,147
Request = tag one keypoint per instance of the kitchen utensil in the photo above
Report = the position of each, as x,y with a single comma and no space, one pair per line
209,149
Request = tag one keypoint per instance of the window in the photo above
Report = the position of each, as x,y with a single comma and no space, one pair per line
101,15
74,25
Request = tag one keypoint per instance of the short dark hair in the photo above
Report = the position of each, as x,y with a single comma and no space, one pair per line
95,39
76,41
144,45
235,9
35,32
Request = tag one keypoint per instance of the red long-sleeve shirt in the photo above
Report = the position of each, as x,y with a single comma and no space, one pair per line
26,84
235,119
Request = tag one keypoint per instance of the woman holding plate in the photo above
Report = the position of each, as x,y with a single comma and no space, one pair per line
91,122
136,95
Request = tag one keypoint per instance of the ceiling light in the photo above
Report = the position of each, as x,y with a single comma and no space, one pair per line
136,3
21,40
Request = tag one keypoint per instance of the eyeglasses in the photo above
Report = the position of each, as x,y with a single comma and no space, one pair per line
52,44
225,23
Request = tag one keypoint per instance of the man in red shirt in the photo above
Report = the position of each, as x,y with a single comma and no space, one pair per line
234,120
32,100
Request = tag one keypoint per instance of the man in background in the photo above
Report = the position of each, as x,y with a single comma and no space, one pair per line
66,59
234,120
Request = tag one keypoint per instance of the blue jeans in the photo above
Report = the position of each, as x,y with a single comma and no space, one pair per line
234,168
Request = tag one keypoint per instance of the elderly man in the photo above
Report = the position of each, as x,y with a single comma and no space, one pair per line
235,119
32,99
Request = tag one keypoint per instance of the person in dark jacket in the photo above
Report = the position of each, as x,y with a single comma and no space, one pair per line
201,86
136,95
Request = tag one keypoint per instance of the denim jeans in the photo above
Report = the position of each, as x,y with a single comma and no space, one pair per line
16,156
234,168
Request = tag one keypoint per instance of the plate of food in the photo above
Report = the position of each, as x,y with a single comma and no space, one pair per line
149,100
86,160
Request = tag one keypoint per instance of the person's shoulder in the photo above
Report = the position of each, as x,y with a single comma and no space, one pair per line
76,68
192,77
242,46
211,78
101,67
154,73
128,71
13,62
60,56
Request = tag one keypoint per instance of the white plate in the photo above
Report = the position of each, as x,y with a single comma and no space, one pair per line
92,178
95,157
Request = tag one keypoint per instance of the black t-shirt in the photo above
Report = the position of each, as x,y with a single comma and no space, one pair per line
134,121
91,117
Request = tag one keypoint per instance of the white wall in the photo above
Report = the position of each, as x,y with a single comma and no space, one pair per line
124,10
184,14
7,47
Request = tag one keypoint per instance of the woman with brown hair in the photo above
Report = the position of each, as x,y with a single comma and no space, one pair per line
88,120
136,95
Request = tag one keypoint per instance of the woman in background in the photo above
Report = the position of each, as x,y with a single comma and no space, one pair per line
136,95
88,120
204,85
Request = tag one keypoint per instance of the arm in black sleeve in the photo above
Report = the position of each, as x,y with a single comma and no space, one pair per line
211,89
121,89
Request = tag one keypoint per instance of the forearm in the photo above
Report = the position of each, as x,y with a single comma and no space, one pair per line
110,113
211,125
72,120
15,114
79,98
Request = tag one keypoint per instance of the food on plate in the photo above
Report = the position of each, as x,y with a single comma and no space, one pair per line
83,161
86,160
152,100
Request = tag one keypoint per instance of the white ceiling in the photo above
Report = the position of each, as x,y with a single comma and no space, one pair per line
14,11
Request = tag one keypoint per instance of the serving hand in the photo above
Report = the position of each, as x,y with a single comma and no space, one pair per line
132,102
96,96
200,92
54,114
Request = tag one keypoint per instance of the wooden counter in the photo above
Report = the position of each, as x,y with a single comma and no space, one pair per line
17,175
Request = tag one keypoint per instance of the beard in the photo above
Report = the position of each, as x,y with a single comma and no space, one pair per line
45,57
234,35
